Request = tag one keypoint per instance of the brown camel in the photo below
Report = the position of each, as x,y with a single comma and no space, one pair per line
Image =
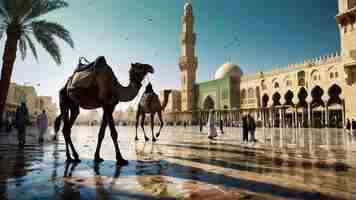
104,91
150,103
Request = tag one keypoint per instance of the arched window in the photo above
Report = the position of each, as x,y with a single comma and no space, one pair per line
263,85
276,85
301,78
250,93
243,94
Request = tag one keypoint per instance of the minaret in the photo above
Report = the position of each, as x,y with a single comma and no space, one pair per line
346,20
188,62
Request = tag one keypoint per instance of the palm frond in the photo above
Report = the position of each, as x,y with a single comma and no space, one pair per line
23,46
54,29
31,45
16,9
41,7
3,14
49,43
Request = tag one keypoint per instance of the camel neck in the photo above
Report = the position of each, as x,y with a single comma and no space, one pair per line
128,93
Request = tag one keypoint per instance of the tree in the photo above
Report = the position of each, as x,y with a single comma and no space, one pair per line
19,21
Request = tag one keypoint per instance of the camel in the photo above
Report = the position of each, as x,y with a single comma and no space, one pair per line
150,103
104,91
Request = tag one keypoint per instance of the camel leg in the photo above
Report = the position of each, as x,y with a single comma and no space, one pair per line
101,135
74,112
65,131
119,159
143,126
153,126
137,120
161,125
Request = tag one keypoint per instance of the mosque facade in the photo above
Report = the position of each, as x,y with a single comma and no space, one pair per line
318,92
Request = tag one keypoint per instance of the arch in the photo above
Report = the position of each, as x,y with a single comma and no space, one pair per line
315,75
288,97
265,100
336,111
276,99
302,95
317,93
208,103
334,94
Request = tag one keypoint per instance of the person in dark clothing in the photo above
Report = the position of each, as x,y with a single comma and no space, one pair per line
201,125
221,126
22,117
252,127
244,129
348,125
185,124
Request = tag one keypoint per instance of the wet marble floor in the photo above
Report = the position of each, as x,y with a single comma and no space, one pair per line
184,164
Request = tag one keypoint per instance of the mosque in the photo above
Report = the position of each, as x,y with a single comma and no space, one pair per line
318,92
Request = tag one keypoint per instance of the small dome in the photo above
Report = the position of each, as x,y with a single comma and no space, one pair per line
228,70
187,5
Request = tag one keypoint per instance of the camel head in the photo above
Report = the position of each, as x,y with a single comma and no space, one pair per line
138,71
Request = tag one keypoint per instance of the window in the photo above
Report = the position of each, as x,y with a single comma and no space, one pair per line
263,85
289,83
301,78
336,74
250,93
331,75
276,85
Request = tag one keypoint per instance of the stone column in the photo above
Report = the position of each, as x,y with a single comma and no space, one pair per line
326,110
280,118
309,115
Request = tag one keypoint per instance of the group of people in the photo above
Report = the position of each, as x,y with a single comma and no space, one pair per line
22,120
248,127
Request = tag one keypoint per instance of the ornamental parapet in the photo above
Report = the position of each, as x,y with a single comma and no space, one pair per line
322,60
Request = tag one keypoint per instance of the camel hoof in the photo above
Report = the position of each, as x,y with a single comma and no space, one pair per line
154,140
157,134
98,160
77,160
70,160
122,162
147,139
136,138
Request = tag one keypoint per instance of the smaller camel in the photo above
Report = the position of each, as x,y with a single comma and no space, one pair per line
150,103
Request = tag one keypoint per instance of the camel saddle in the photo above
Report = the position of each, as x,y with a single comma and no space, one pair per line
84,75
100,62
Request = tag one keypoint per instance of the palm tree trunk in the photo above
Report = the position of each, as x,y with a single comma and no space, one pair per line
7,67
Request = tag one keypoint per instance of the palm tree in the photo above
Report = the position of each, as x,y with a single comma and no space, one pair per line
19,21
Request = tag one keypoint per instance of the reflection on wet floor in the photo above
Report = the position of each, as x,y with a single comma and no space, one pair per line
283,164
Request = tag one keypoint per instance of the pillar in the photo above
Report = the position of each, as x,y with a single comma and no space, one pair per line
280,118
309,115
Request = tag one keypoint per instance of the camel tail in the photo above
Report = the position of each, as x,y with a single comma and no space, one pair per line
57,123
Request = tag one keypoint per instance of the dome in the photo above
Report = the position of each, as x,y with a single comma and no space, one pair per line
228,70
187,5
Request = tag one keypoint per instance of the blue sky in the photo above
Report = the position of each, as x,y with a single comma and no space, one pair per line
274,32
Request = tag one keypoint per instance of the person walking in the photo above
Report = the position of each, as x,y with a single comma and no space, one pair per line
22,118
244,129
252,127
211,125
221,126
200,125
42,124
